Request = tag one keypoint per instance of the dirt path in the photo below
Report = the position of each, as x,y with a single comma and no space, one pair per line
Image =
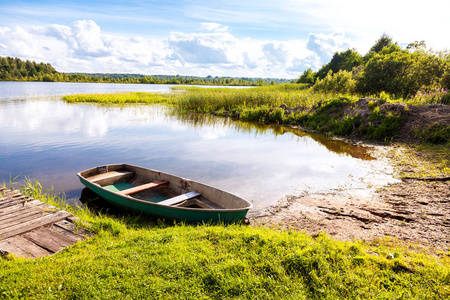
412,210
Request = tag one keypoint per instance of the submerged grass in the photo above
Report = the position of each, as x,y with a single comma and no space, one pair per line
136,257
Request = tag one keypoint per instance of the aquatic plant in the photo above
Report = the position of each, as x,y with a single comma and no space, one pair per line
120,98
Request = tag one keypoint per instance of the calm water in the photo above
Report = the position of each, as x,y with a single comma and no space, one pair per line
44,138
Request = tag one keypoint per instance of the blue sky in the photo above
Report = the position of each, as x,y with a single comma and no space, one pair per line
220,38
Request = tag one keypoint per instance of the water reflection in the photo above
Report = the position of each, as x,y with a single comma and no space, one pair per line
336,146
51,141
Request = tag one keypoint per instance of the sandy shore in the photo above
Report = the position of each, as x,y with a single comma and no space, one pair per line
378,205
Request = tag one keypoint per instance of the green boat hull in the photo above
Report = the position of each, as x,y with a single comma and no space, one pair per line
168,212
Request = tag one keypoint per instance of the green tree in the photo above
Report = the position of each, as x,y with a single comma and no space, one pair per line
385,41
345,61
308,76
403,73
417,46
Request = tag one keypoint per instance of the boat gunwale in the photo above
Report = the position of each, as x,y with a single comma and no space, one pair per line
128,197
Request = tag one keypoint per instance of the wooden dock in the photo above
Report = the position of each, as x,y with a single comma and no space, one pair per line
30,228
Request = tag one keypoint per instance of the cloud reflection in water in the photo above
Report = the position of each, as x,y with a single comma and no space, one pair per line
52,140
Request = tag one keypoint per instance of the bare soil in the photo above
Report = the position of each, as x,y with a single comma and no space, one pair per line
411,210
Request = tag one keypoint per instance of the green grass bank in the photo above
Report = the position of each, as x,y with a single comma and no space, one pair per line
135,257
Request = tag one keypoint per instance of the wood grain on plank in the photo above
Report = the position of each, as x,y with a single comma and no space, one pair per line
143,187
29,216
18,216
21,246
47,239
56,230
69,226
23,206
108,175
33,224
12,201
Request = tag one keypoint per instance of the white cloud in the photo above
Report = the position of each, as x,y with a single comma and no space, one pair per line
213,50
275,54
201,48
213,27
325,45
88,39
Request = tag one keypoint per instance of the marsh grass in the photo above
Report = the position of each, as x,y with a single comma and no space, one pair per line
120,98
137,257
241,100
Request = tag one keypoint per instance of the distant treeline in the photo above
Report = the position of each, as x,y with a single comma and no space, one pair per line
385,68
15,69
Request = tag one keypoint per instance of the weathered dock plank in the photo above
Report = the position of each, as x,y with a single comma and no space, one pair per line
20,217
11,202
71,227
21,246
39,221
31,229
21,207
48,240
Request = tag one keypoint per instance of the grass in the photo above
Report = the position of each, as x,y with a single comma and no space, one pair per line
240,100
434,134
421,161
136,257
120,98
328,113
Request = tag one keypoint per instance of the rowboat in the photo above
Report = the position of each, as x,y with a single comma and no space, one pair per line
163,195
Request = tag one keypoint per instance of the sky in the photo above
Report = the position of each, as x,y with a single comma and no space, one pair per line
252,38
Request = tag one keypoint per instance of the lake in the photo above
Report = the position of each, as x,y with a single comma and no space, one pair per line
46,139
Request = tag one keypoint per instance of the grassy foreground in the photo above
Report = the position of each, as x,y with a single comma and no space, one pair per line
138,258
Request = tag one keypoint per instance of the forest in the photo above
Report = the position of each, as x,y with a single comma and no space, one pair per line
15,69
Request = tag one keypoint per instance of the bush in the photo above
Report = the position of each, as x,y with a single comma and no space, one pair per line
382,126
340,82
435,134
308,76
346,61
402,73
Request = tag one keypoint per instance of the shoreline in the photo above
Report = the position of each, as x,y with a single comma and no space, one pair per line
383,205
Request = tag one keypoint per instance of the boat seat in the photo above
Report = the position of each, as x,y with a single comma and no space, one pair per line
179,198
142,187
110,176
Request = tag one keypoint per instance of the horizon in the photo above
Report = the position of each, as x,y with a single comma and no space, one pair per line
257,39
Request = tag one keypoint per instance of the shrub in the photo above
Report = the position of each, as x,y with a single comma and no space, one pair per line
382,126
346,61
308,76
435,134
340,82
402,73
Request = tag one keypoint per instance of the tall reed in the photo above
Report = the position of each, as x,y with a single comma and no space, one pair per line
232,100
